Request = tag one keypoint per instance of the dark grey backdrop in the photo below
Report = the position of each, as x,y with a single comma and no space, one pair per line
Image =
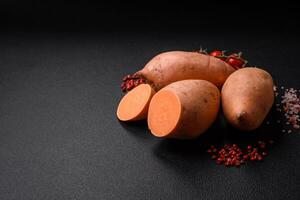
59,89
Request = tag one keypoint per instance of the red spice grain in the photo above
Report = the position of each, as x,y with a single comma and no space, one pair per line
233,155
131,81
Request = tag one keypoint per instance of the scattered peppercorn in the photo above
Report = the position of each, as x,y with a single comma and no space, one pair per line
233,155
131,81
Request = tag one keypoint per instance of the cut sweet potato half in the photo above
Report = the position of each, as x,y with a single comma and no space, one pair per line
183,109
164,114
134,105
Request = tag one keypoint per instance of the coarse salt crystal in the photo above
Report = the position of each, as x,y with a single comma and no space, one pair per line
290,102
296,126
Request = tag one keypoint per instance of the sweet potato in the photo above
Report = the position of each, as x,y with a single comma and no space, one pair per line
134,105
247,97
183,109
172,66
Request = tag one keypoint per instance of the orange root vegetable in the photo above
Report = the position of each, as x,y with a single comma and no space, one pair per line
183,109
173,66
247,97
134,105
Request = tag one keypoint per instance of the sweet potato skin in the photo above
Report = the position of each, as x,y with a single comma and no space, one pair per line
200,102
247,97
172,66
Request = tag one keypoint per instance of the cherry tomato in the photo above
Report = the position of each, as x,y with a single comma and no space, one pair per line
216,53
235,62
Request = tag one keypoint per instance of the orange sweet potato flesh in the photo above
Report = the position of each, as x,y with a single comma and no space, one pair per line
247,97
134,105
183,109
169,67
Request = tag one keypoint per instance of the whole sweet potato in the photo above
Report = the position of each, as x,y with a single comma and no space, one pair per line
247,97
172,66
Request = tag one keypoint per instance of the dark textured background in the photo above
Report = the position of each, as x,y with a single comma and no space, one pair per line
59,84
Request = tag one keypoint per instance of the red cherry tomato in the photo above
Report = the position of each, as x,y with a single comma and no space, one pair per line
235,62
216,53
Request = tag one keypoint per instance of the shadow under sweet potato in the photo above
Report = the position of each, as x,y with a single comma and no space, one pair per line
137,128
193,151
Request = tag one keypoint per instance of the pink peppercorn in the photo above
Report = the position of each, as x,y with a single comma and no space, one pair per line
233,155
